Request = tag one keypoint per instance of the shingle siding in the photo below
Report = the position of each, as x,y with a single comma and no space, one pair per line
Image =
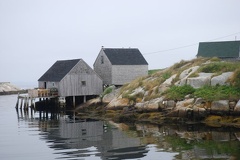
126,73
103,69
114,65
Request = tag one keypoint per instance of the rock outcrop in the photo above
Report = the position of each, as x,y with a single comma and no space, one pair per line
221,79
8,87
150,94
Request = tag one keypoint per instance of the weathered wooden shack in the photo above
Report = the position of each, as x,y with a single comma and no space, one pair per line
226,50
117,66
72,78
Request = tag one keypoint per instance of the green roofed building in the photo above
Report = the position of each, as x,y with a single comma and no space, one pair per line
229,50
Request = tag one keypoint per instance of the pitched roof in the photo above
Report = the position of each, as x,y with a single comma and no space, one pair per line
125,56
224,49
58,70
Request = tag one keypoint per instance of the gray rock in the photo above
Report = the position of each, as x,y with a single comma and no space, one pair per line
162,88
137,91
188,71
197,82
187,103
152,105
184,75
199,101
109,97
232,104
181,82
118,103
199,111
183,111
237,107
7,87
169,80
169,104
221,79
220,106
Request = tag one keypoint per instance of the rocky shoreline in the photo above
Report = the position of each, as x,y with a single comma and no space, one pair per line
187,92
177,115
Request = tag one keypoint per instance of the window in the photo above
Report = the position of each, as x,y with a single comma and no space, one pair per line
53,84
84,132
83,83
102,60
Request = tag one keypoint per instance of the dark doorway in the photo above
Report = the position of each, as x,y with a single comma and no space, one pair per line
45,85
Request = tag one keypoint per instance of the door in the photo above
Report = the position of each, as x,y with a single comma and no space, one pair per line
45,85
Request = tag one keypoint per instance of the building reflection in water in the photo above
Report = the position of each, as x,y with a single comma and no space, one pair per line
72,137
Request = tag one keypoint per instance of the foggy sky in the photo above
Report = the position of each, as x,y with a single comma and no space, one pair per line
36,33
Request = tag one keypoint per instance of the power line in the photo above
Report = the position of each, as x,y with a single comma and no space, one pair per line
190,45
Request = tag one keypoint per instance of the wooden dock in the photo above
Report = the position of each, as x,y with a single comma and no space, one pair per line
28,100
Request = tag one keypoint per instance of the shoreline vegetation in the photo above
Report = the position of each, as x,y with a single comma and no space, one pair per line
202,90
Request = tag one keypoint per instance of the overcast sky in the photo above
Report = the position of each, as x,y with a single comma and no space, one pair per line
36,33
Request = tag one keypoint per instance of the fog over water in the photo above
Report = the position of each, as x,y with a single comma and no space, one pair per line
34,34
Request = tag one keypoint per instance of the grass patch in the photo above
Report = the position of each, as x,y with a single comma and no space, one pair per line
215,59
152,71
219,67
235,79
129,87
179,92
107,91
180,64
211,93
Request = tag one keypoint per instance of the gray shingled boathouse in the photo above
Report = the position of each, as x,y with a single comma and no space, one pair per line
117,66
72,79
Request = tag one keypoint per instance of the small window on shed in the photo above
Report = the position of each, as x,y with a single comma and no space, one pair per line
83,83
102,60
53,84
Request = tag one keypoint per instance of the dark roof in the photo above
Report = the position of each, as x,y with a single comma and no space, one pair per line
125,56
58,70
224,49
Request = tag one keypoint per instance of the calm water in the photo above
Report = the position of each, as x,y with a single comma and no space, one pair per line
40,135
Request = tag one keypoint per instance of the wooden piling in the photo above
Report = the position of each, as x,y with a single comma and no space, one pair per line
25,102
21,103
17,101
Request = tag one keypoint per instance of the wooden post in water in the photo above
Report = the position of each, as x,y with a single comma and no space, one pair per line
21,103
31,102
17,101
25,102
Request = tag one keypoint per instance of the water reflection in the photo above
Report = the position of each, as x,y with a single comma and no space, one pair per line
73,138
